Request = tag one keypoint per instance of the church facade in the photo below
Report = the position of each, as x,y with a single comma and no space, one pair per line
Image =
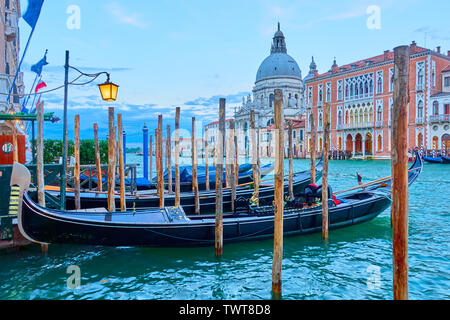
278,71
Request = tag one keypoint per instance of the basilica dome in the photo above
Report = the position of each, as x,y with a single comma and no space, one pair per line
279,64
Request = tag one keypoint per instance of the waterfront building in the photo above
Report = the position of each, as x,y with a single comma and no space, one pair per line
278,71
361,99
9,60
439,115
213,133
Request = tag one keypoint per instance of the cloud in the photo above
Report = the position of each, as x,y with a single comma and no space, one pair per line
121,14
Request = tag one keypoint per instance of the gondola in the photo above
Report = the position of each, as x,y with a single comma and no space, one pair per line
207,198
170,227
445,159
433,159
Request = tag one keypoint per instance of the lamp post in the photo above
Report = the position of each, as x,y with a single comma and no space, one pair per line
108,91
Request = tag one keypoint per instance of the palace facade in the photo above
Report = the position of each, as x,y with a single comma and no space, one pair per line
361,99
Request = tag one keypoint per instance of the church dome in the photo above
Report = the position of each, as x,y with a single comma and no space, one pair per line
279,64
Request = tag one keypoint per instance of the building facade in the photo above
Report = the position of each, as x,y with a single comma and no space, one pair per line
9,60
361,97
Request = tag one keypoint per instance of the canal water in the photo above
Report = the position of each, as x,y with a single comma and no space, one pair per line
356,263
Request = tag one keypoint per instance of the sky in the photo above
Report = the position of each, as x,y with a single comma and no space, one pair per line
165,54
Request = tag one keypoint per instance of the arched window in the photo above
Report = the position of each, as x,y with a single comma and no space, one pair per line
361,89
420,140
320,120
371,87
346,117
271,97
356,90
379,85
339,117
356,116
371,114
379,143
351,116
339,143
435,108
351,90
420,109
361,116
366,116
366,88
380,113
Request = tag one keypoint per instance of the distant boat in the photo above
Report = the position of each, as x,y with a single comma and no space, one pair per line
433,159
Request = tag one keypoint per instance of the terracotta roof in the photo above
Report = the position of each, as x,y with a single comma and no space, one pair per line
216,122
377,59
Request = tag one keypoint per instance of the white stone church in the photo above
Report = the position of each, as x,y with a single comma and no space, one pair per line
278,71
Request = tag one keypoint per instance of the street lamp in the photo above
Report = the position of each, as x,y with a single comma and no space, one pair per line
108,90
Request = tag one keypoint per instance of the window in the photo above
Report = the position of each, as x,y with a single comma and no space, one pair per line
294,133
435,108
447,109
379,143
420,74
380,113
447,81
328,97
391,79
339,90
310,94
271,97
301,135
379,82
420,109
320,93
433,73
339,117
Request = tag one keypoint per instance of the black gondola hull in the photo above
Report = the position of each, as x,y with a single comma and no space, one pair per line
43,225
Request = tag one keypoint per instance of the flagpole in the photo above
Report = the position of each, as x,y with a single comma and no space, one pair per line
25,101
20,64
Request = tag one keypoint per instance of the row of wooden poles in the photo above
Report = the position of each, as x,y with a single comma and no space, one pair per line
399,209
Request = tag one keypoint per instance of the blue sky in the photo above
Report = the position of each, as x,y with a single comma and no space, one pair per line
165,54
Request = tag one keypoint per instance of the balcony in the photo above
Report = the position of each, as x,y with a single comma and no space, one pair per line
359,125
420,120
420,87
440,118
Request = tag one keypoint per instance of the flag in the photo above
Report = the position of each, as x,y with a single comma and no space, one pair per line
39,86
31,16
37,68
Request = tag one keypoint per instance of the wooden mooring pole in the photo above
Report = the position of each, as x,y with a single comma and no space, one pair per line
206,152
161,163
230,138
279,193
312,150
236,155
169,160
111,160
76,169
326,147
219,177
123,205
40,160
15,144
399,166
98,163
255,166
194,170
177,157
291,161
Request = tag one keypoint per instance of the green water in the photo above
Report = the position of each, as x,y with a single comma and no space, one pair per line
311,269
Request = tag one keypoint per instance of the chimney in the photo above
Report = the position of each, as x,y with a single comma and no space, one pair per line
386,55
438,49
413,47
